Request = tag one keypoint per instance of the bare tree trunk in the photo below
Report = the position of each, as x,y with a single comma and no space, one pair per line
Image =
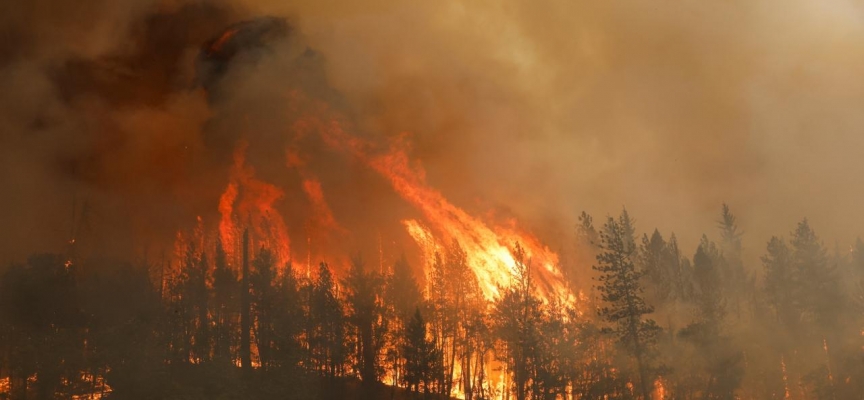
245,346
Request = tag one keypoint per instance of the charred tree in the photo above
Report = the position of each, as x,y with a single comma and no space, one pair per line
367,318
264,305
224,306
245,318
422,358
401,297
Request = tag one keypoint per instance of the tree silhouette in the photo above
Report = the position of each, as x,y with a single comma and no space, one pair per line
517,317
367,318
422,358
621,291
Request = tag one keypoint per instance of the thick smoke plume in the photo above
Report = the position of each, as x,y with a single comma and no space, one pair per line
556,107
144,129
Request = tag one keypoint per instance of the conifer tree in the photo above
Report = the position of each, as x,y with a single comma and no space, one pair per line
422,358
735,278
621,291
720,362
288,320
263,303
245,317
367,318
654,260
327,339
817,279
780,283
401,298
517,318
224,307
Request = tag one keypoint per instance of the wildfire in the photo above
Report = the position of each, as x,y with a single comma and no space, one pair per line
249,202
488,247
321,224
659,389
786,393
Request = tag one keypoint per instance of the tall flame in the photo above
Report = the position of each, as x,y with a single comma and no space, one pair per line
488,247
249,202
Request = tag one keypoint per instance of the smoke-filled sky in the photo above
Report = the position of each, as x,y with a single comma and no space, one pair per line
537,109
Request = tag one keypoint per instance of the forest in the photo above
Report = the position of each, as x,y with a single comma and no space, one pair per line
656,323
383,200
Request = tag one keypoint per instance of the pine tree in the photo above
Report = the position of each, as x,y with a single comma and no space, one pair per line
327,339
367,318
199,296
443,322
720,362
261,281
225,287
585,231
517,317
681,270
587,240
707,267
245,317
781,289
43,323
191,339
401,297
288,320
422,358
735,278
402,290
654,260
621,291
817,279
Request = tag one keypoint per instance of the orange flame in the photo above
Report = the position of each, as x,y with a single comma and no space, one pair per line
248,202
320,209
488,248
321,225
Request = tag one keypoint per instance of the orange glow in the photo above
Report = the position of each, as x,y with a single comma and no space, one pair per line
787,394
320,209
224,38
249,202
488,247
659,389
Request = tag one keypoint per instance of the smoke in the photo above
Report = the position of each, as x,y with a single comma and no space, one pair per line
554,107
98,121
533,110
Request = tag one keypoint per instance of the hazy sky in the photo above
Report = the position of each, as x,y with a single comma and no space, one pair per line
552,107
541,109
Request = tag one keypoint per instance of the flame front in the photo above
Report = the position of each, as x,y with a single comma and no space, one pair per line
488,247
249,202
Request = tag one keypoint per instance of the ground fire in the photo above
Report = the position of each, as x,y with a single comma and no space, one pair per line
252,200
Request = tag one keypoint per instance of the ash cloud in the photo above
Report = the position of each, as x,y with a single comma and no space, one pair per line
538,110
669,109
99,121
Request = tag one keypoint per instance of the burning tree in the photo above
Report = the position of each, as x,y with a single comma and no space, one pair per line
422,358
367,319
518,316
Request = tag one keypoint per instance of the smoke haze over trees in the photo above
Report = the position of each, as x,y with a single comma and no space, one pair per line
102,327
322,199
